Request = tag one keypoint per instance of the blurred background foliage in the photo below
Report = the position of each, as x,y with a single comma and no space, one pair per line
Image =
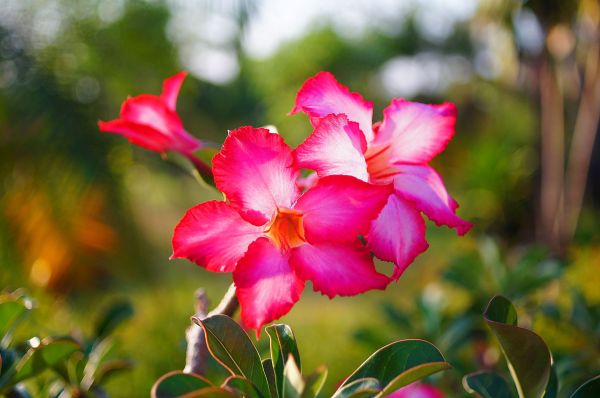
86,218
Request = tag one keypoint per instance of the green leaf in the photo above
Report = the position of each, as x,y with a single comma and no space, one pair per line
359,388
399,364
500,309
283,344
231,346
110,368
293,384
396,316
314,382
267,365
552,387
528,357
50,353
242,386
116,314
487,385
176,384
9,358
590,388
12,308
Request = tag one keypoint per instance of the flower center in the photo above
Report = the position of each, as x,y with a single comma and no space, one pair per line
381,171
286,229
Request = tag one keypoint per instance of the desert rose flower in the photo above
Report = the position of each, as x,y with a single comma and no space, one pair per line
272,237
152,122
397,150
417,390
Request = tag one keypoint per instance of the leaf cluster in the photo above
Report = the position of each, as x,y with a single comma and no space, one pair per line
79,367
280,376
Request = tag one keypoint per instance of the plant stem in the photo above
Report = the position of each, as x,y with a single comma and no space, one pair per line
203,169
584,135
552,156
197,351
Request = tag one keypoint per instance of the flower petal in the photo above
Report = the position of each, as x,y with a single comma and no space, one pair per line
336,147
305,183
214,236
416,132
150,110
417,390
425,188
139,134
171,87
339,208
267,286
256,172
341,269
322,95
398,234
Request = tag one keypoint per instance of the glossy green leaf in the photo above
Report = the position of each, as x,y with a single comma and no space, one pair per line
177,384
528,357
242,387
116,314
282,344
231,346
50,353
400,363
487,385
314,382
293,383
359,388
589,389
270,373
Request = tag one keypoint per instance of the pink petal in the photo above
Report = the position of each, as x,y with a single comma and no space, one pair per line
322,95
171,87
417,390
416,132
425,188
151,111
339,208
214,236
139,134
305,183
343,269
336,147
256,172
267,286
398,234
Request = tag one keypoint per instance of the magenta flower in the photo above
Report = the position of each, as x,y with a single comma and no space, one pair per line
151,121
417,390
272,237
397,150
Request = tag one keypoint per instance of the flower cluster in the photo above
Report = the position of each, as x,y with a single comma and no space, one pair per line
275,229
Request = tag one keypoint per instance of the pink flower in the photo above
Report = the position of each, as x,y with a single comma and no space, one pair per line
151,121
397,150
272,237
417,390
